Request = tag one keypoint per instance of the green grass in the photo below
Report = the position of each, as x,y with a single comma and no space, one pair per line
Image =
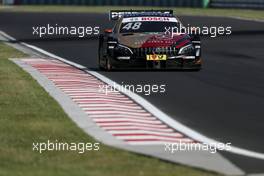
28,114
243,13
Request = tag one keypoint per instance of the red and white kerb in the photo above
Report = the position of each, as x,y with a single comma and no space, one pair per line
115,113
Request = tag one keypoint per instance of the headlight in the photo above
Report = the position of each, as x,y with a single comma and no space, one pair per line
188,49
123,50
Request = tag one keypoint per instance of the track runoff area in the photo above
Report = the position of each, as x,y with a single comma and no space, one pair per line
144,115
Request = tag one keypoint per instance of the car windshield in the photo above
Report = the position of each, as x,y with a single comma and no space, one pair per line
131,26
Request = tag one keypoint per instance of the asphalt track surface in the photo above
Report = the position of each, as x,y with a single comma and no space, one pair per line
224,101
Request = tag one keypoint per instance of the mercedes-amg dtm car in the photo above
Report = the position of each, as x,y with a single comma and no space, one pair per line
142,39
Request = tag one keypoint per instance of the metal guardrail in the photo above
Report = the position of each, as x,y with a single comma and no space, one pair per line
160,3
7,2
251,4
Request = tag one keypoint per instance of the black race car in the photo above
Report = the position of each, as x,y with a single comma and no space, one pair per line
148,39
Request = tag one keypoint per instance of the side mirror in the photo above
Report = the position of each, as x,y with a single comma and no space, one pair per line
108,30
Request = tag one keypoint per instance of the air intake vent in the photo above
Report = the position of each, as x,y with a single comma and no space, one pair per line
140,52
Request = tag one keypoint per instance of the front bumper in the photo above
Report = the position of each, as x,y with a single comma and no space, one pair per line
142,63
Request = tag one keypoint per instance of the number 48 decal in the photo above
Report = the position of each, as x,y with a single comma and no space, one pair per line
134,26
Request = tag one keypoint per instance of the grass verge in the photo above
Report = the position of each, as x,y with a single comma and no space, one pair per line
28,114
242,13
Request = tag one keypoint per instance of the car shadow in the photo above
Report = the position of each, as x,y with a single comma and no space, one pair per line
145,70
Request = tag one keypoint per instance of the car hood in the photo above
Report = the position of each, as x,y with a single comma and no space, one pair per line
142,40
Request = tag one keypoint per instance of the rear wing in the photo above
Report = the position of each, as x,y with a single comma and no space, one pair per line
116,14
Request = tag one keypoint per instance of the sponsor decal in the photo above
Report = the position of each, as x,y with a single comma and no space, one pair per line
156,57
150,18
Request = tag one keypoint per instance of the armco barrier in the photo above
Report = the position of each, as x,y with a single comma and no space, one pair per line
252,4
161,3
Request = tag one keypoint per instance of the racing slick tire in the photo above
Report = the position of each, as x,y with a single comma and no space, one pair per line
100,53
100,65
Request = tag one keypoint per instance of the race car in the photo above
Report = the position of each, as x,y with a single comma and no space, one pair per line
148,39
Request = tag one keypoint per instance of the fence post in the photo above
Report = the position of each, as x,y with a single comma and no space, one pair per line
205,3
